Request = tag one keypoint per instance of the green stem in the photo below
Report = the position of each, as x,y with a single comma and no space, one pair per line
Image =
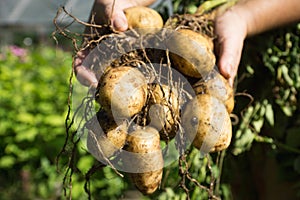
209,5
271,141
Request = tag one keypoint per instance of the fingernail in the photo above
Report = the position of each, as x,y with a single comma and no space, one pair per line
119,24
226,71
229,68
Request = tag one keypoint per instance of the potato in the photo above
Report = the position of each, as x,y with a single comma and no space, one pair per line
218,87
144,19
207,124
146,159
122,91
105,137
164,110
191,53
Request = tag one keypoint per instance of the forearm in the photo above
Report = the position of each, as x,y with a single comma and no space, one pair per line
263,15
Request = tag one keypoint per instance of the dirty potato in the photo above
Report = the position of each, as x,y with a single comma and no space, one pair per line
191,53
164,110
146,158
143,19
105,137
207,124
122,91
217,86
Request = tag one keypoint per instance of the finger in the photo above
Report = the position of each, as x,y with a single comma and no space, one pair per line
119,22
117,18
230,51
84,75
231,32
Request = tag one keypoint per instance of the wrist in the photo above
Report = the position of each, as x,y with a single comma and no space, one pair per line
245,15
234,21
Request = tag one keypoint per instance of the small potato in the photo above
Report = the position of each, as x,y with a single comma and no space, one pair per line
191,53
122,91
105,137
146,159
144,19
218,87
164,110
207,124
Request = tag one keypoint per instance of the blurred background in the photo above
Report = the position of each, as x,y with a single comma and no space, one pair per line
262,162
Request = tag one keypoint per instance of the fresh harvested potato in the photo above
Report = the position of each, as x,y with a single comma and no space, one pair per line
146,158
122,91
164,110
143,19
191,53
218,87
207,123
105,137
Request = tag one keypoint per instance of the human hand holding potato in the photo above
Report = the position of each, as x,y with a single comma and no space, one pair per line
104,12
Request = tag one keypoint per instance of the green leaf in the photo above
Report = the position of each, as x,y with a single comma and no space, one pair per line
28,134
249,69
24,117
85,163
192,8
269,114
288,110
286,76
54,120
244,142
258,124
7,161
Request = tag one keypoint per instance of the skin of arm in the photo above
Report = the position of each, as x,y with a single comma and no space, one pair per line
245,19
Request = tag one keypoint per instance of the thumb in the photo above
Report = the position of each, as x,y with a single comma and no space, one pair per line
118,19
231,31
230,51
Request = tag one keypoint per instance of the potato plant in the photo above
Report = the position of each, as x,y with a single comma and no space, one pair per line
256,113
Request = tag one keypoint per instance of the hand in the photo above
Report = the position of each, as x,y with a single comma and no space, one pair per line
231,31
248,18
106,12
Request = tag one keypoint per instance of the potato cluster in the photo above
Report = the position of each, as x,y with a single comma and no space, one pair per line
137,113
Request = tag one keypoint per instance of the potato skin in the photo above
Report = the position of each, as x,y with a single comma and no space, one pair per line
105,137
207,123
147,158
165,112
122,91
218,87
143,18
191,53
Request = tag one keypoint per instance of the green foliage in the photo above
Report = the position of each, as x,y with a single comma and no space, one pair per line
271,76
182,6
276,96
34,88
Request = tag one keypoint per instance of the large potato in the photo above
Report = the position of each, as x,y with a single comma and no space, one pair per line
105,137
164,110
207,124
144,19
146,159
218,87
191,53
122,91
